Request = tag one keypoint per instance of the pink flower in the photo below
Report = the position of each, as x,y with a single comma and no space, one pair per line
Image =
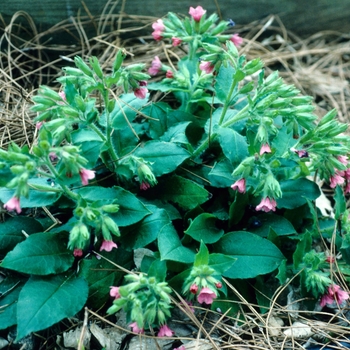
169,74
108,246
135,328
330,259
165,331
53,156
206,295
182,347
63,95
301,153
347,188
265,148
343,159
13,204
239,186
38,125
77,253
197,13
266,205
86,175
218,285
194,288
335,180
237,40
159,25
156,66
141,92
114,292
206,67
144,186
176,41
157,35
335,293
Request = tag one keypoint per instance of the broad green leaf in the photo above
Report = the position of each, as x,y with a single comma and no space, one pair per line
186,193
282,275
10,288
40,254
233,145
296,192
41,194
101,274
171,248
221,174
340,202
159,112
283,142
158,270
238,208
126,109
146,231
277,223
202,257
221,262
165,157
131,209
203,228
255,255
223,82
176,133
12,229
44,301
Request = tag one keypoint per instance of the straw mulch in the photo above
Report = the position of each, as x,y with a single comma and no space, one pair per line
318,65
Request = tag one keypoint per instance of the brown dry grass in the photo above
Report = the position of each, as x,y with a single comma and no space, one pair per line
318,65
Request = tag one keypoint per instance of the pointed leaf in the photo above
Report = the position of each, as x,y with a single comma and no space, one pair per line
171,248
202,257
165,157
203,228
221,262
44,301
223,82
40,254
340,202
280,225
221,174
255,255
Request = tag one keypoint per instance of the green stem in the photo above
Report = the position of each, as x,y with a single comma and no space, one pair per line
227,102
109,131
56,175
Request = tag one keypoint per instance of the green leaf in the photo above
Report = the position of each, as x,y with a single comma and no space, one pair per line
202,257
237,208
171,248
10,288
176,133
44,301
126,108
282,272
40,194
283,142
40,254
340,202
158,270
165,157
186,193
296,192
157,111
203,228
12,230
280,225
101,274
221,174
303,247
146,231
221,262
233,145
255,255
131,209
223,82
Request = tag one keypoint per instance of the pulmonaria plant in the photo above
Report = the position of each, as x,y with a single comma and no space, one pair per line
223,170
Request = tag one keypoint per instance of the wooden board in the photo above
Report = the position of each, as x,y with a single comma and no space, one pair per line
303,17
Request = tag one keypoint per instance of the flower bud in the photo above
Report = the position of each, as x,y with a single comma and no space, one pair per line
112,226
119,58
46,91
110,208
17,169
83,66
96,66
221,27
84,232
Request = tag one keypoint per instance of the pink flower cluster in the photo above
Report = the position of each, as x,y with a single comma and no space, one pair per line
335,293
206,295
141,91
341,177
159,28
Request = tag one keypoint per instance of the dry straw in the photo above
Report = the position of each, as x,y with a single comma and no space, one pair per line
318,65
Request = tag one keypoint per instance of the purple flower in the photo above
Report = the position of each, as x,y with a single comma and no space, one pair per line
135,328
239,185
114,292
165,331
107,246
265,148
267,205
86,175
156,66
13,204
237,40
206,67
197,13
334,293
206,295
